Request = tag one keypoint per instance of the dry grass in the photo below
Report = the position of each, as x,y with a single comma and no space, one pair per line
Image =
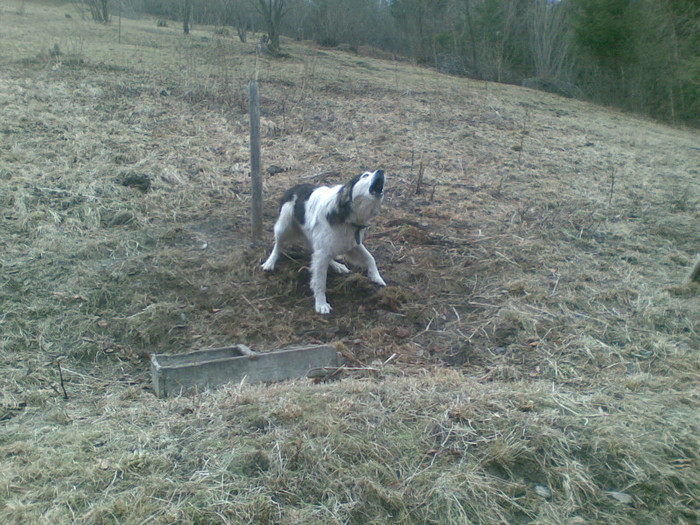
541,341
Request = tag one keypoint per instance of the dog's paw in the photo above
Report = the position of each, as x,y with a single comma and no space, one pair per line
323,308
268,266
339,267
377,279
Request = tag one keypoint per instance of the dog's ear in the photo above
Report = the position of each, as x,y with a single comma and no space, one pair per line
343,206
346,191
345,196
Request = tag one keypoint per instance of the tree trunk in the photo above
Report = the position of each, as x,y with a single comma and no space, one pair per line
472,40
241,27
186,16
272,12
105,11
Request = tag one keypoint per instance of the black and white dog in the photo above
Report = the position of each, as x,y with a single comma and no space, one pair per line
332,221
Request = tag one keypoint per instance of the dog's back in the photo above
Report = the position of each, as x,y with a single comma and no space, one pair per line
299,195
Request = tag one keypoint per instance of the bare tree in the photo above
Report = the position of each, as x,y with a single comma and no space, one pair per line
236,13
501,39
469,19
99,10
273,13
422,21
550,41
187,16
241,26
327,21
331,22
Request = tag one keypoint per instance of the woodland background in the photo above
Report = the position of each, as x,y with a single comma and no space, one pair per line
637,55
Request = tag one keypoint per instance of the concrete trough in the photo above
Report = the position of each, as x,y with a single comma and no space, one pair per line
210,368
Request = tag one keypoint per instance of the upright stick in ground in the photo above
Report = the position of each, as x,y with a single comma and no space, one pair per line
255,176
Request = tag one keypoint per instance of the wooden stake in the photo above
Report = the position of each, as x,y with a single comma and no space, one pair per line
256,177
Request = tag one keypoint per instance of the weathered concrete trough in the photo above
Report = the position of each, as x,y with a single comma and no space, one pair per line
214,367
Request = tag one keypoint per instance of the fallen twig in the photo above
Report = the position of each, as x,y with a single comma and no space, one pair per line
60,375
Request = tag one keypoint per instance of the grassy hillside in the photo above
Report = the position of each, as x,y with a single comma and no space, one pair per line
534,358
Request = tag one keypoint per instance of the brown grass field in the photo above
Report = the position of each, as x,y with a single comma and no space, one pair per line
534,359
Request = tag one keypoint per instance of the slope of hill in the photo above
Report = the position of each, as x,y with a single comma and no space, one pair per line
533,359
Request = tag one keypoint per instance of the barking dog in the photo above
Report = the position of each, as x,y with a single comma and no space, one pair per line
332,222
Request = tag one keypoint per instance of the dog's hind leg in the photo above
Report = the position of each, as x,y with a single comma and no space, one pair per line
283,228
360,256
338,267
319,274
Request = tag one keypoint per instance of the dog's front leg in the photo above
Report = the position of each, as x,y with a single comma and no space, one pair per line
319,274
271,261
360,255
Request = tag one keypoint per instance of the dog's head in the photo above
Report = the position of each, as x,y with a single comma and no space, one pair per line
369,184
366,195
360,199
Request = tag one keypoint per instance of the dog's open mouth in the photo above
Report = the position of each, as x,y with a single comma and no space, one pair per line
377,187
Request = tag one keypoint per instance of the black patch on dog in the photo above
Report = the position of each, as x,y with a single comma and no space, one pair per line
343,207
302,192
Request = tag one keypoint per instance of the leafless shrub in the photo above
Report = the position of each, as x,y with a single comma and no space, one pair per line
550,42
97,10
